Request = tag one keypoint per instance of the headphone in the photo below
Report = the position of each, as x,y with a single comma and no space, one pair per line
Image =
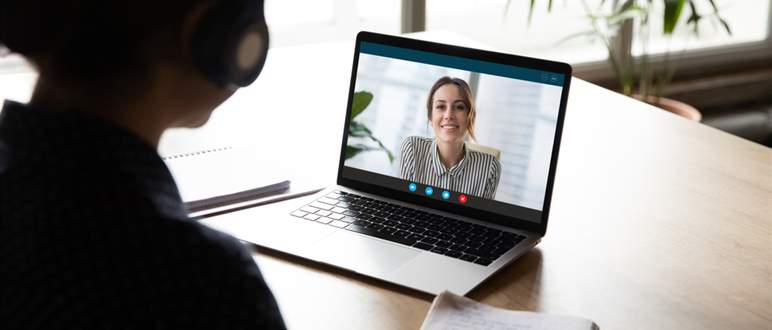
230,43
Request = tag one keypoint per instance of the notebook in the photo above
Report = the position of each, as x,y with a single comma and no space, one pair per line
217,177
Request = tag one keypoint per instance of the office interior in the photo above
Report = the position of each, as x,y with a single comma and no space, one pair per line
721,66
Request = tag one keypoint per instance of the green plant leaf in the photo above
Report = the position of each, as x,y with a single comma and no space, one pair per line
360,102
353,150
531,5
383,147
673,10
357,129
630,12
725,25
589,33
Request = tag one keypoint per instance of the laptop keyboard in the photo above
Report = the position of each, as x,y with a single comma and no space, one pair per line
407,226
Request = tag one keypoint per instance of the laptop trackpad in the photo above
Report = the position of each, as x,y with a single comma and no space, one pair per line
362,254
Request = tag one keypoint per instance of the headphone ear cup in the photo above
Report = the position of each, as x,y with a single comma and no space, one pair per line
230,44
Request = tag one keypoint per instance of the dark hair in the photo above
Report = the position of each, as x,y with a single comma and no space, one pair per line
466,94
88,40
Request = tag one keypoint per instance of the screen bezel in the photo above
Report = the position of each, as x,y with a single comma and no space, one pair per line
482,55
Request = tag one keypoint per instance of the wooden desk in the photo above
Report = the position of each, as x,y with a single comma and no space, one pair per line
656,222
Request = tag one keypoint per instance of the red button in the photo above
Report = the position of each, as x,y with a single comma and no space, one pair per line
462,199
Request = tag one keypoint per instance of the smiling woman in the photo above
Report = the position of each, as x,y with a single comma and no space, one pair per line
446,161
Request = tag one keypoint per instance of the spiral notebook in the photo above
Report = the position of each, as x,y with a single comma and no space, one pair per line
217,177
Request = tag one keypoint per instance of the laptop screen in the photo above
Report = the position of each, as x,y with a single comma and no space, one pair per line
454,130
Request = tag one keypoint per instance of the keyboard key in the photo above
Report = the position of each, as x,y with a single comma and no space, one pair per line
339,224
311,217
326,200
468,257
416,237
309,209
432,233
439,250
453,254
349,219
343,204
429,240
299,213
457,247
388,230
351,213
423,246
338,209
444,237
391,223
479,253
417,230
444,244
323,213
379,234
321,206
483,261
333,195
402,233
336,216
361,223
324,220
375,226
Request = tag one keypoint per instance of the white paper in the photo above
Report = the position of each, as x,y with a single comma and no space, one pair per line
219,176
453,312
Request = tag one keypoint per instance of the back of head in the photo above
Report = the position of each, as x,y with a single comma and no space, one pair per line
88,39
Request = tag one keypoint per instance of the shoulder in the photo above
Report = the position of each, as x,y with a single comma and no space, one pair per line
416,142
485,159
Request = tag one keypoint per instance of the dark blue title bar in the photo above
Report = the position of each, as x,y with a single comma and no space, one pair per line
511,71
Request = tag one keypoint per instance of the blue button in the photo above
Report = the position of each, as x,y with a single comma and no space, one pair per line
412,187
428,191
446,194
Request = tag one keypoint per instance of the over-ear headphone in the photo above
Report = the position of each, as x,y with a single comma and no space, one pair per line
230,43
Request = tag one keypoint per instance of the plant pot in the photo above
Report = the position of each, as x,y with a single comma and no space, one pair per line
673,106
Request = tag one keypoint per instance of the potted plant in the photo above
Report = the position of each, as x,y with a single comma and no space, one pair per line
358,131
636,76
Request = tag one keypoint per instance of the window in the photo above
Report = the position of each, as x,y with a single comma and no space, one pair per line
293,22
504,25
747,20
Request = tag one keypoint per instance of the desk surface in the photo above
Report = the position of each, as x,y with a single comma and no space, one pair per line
656,222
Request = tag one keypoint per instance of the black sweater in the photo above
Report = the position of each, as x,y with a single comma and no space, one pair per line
93,234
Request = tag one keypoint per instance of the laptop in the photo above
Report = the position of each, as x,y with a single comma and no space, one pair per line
446,168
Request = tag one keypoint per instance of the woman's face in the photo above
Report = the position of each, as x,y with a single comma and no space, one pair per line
449,114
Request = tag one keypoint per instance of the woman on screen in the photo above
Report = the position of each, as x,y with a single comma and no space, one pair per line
446,161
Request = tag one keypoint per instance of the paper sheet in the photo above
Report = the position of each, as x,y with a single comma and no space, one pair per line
453,312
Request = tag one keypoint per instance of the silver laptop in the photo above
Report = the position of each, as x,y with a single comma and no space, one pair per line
446,168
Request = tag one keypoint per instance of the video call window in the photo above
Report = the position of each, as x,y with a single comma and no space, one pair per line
474,133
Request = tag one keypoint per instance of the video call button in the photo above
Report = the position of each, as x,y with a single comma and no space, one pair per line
462,199
412,187
429,191
446,194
